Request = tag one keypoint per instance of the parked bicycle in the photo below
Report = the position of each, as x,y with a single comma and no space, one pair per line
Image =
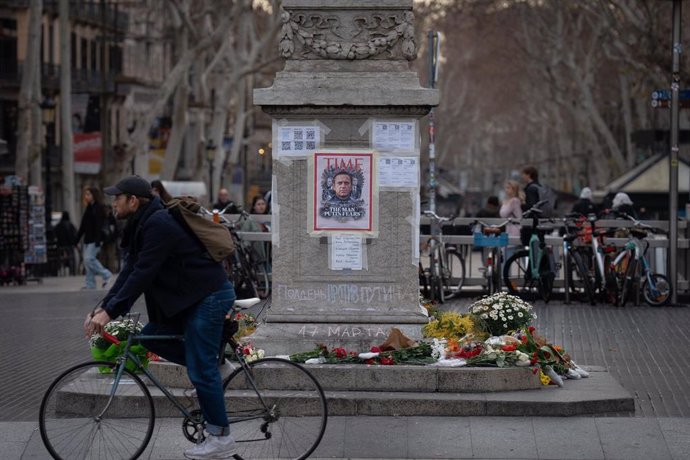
445,275
579,277
102,409
632,270
494,238
532,271
247,270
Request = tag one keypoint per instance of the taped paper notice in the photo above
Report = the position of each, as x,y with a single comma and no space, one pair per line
298,140
346,252
394,135
399,172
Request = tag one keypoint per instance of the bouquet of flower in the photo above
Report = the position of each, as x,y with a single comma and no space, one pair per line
449,325
102,350
250,353
246,324
501,313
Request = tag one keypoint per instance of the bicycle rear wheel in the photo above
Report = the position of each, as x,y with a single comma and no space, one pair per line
454,268
582,285
263,285
517,276
627,281
293,419
79,419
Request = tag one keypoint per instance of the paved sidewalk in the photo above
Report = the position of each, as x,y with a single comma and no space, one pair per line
642,347
439,437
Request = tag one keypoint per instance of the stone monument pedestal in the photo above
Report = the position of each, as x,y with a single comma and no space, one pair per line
347,68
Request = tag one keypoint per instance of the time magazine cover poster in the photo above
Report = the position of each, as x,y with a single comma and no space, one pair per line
343,193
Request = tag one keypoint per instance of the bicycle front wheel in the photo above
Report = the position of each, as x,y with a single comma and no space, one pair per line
81,417
658,292
263,285
276,409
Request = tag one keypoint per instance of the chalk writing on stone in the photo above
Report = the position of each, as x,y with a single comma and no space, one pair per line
340,293
341,331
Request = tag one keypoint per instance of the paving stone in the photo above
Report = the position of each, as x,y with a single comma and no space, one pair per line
677,435
571,438
632,439
376,437
439,437
503,437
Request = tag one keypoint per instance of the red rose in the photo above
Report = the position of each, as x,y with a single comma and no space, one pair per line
340,353
509,347
523,339
387,360
246,350
531,329
535,370
370,361
375,349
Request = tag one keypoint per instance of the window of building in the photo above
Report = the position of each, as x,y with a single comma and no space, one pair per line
8,47
84,50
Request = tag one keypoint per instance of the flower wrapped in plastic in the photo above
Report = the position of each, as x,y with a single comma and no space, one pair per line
501,313
102,350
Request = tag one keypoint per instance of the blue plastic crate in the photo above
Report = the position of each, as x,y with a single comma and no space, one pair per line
490,241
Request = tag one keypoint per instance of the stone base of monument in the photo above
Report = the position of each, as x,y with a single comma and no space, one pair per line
400,390
289,338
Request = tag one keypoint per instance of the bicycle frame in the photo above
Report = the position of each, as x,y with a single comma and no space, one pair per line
122,362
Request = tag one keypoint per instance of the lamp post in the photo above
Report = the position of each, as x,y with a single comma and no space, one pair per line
210,157
48,115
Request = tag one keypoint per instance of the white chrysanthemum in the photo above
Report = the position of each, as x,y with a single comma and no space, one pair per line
484,316
510,317
520,315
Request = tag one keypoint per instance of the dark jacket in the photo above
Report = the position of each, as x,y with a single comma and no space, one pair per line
531,195
584,206
91,224
165,263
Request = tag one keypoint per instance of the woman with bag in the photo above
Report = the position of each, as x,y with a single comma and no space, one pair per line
91,228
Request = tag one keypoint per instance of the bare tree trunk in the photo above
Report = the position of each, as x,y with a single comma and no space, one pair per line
627,119
177,133
24,124
68,192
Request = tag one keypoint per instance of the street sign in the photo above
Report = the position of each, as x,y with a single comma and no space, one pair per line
665,94
666,103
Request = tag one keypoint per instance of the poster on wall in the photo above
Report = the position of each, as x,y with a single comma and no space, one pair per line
343,193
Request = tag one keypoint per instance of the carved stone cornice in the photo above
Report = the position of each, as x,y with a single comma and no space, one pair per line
279,111
348,33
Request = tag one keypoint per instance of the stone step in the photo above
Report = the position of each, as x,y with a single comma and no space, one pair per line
398,378
353,389
596,395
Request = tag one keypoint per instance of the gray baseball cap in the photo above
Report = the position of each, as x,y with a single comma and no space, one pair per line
132,185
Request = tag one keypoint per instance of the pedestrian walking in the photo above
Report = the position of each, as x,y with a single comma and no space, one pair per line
584,204
530,176
623,204
187,293
225,203
512,209
490,209
91,227
66,236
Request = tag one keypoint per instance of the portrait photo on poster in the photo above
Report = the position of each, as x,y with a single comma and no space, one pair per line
344,191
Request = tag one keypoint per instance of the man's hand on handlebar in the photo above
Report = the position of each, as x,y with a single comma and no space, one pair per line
95,322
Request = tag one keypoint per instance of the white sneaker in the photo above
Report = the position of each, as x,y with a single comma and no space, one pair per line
213,447
225,370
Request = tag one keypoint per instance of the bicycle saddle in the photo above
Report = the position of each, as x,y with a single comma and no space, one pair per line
243,304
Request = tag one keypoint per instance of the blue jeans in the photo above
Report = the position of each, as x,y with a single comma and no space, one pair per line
202,327
93,266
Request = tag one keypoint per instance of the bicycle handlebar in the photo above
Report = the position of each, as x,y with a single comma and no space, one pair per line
438,218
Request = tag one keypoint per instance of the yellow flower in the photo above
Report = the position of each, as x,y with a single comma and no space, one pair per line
545,379
449,325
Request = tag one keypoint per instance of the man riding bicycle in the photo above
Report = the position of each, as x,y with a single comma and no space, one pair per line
187,293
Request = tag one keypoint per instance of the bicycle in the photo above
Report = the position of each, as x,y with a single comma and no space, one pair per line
445,275
631,266
578,275
535,268
492,237
277,408
246,269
